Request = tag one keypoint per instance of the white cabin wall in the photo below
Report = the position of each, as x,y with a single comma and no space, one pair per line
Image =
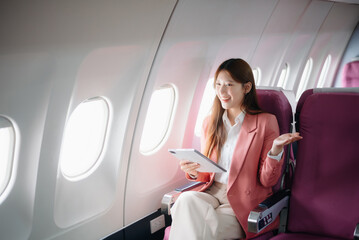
24,96
324,32
294,33
53,56
94,206
332,40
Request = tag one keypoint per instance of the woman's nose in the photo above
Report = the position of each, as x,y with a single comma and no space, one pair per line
222,88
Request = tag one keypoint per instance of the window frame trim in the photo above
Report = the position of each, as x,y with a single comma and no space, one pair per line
102,151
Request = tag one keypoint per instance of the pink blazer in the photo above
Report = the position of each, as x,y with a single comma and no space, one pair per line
252,174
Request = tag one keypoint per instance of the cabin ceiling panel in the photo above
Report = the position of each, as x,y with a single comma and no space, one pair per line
40,24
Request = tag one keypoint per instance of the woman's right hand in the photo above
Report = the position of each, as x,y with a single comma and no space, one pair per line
189,167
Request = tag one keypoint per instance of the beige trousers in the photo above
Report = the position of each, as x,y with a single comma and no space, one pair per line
204,215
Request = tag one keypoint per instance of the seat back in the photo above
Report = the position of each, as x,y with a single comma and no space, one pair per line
275,102
325,191
351,74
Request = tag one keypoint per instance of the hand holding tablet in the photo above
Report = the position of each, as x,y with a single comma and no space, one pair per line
192,155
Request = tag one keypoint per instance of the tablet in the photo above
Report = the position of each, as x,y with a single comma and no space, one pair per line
192,155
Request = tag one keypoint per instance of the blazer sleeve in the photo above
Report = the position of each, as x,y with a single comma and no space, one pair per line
269,169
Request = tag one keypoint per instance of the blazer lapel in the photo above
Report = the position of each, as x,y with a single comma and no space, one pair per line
244,141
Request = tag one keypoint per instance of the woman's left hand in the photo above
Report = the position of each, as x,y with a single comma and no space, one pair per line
283,140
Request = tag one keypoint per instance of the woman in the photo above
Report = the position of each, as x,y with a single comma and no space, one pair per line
244,140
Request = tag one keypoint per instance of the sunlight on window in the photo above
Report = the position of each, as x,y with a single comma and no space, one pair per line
305,78
283,78
205,107
257,75
7,146
158,119
84,137
324,72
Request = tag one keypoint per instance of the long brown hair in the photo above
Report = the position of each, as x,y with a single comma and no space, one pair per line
241,72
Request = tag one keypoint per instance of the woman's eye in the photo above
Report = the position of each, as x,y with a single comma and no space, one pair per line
229,84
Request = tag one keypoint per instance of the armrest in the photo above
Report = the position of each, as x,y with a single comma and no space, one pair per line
169,198
267,211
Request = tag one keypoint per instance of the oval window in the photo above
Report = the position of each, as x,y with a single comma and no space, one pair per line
7,148
283,78
324,72
257,75
84,137
158,119
305,78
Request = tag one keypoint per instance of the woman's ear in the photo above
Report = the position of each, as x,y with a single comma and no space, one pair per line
247,87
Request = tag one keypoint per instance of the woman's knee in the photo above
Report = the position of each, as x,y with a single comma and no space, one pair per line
186,197
183,202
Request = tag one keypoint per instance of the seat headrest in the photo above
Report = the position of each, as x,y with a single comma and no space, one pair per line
275,102
351,74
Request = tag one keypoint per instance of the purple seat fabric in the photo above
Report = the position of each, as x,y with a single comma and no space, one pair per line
351,74
275,102
300,236
325,192
264,236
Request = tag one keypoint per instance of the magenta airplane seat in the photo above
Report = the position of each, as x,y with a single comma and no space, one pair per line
324,202
351,74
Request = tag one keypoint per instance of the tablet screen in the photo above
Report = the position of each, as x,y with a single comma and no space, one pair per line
193,155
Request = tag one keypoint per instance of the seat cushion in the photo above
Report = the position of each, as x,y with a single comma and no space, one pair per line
300,236
264,236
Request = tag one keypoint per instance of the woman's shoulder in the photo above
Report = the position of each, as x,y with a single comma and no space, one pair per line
268,121
266,116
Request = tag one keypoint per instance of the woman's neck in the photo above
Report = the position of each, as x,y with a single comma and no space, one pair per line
232,114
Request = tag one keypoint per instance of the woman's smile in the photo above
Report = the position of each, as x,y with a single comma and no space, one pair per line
225,99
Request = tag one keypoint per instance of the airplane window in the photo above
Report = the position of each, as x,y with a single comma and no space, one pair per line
7,147
305,78
324,72
206,104
283,78
158,119
84,138
257,75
